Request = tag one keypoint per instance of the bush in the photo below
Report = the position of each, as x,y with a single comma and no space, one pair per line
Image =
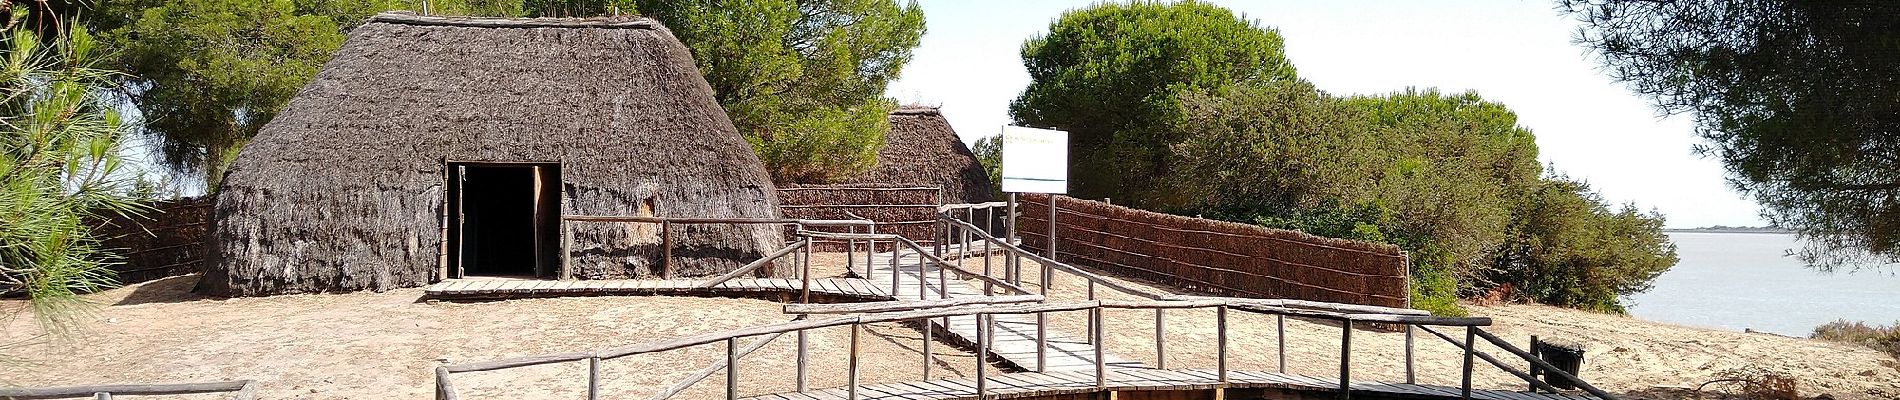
1879,337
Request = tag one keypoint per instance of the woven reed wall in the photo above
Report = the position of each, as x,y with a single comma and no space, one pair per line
1216,256
906,210
168,240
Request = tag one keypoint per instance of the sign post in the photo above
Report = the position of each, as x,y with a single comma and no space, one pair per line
1036,161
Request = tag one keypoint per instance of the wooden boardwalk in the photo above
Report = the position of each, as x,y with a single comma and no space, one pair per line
519,288
1015,340
1030,384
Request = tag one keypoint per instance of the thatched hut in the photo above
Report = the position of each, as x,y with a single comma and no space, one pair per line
922,148
432,148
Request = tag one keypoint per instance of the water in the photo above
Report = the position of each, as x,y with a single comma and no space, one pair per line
1733,281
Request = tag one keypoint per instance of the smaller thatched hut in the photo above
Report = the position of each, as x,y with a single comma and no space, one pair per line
922,149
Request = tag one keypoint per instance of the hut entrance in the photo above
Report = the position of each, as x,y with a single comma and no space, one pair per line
505,219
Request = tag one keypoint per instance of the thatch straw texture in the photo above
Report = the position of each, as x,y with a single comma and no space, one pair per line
167,241
1217,256
923,150
905,210
344,189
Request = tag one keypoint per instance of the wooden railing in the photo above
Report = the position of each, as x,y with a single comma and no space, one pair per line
1537,363
921,311
666,232
240,390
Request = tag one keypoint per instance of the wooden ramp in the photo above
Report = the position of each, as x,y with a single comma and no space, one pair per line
520,288
1015,340
1035,384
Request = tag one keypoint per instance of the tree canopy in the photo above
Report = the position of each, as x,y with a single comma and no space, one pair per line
1112,76
1800,100
1186,108
803,80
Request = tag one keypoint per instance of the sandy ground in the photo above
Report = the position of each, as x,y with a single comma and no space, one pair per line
384,345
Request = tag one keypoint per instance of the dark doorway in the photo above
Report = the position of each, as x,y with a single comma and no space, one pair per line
504,219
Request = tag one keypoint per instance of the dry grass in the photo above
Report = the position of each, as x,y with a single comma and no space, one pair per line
1880,337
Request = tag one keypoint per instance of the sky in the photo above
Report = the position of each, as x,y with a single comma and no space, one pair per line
1518,53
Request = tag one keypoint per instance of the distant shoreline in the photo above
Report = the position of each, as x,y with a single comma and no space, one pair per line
1731,229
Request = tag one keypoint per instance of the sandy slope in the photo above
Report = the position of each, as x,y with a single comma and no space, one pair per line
383,345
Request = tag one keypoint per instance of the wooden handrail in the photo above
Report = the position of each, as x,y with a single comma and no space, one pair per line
919,249
748,268
243,390
1494,361
1317,305
1544,366
993,204
906,305
1050,262
681,220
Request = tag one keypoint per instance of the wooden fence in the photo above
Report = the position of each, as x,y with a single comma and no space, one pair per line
1216,256
168,240
905,210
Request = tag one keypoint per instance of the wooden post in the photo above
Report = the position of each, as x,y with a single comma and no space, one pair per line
982,356
1471,338
963,247
102,396
1042,341
1279,322
567,250
943,287
593,378
1345,359
804,278
1011,262
1533,368
1095,334
850,248
1220,332
666,243
802,363
1161,339
732,368
1410,377
443,390
1091,325
852,366
929,358
870,246
897,251
923,278
1052,227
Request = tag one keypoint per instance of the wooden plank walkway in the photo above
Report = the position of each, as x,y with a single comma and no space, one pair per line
520,288
1015,340
1030,384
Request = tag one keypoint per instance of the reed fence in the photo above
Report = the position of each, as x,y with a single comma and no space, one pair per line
169,240
905,210
1216,256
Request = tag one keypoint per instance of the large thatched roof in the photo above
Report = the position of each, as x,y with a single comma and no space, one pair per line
922,149
344,190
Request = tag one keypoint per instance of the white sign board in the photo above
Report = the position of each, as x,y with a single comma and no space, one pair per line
1035,160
